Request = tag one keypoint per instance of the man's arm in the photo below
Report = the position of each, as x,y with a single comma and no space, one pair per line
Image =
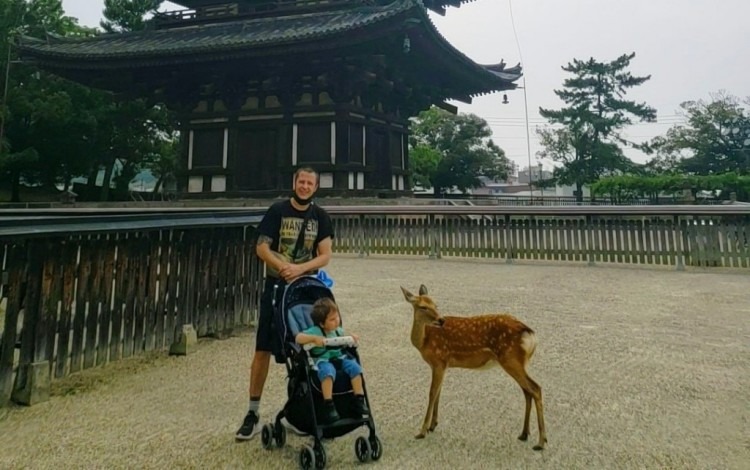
291,271
264,252
324,256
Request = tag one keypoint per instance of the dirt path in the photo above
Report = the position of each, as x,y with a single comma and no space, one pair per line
641,368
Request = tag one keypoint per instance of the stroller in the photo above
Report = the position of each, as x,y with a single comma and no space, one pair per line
304,406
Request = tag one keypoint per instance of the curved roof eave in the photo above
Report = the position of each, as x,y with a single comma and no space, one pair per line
246,34
202,43
503,77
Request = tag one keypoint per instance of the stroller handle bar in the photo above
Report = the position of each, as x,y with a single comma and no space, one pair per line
333,342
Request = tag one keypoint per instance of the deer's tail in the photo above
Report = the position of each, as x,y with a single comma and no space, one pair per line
528,344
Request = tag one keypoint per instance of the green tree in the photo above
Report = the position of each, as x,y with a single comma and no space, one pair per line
454,151
35,106
53,130
714,140
585,135
424,162
141,136
134,137
127,15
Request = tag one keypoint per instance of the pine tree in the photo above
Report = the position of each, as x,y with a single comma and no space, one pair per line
587,138
128,15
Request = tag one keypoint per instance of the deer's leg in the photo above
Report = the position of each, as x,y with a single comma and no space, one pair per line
531,390
434,422
437,381
526,417
537,394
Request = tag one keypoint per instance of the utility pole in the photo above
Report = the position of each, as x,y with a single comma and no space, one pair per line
528,139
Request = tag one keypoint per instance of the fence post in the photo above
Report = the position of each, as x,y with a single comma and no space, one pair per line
509,240
16,266
33,376
678,241
590,242
363,251
430,235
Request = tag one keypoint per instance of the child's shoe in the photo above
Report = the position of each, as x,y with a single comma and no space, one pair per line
360,405
330,414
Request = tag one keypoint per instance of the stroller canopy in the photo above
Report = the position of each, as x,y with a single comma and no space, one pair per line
293,313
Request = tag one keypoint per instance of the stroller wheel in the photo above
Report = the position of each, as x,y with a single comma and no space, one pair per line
376,448
320,456
266,436
306,458
362,449
280,435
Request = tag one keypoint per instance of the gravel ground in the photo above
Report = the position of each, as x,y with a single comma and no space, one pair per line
640,368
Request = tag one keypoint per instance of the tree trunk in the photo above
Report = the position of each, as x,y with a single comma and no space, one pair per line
15,186
91,182
108,170
579,192
158,184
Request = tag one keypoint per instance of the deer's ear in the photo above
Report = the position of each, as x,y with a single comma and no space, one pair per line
422,290
408,296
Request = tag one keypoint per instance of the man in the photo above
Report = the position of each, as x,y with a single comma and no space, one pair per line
278,235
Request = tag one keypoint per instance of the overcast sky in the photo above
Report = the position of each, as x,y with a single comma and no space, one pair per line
691,48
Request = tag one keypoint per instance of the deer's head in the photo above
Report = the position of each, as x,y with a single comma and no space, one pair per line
424,308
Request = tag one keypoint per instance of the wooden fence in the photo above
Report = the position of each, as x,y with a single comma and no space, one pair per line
711,236
83,288
77,300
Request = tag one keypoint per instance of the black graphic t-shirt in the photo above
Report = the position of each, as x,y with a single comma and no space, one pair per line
282,224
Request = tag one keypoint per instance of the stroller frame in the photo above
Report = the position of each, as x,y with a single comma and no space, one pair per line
298,361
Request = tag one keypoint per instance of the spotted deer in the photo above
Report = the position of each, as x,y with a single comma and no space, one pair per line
473,343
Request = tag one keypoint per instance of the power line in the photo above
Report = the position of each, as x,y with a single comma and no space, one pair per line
525,100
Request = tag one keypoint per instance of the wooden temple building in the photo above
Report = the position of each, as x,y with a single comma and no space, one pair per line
264,86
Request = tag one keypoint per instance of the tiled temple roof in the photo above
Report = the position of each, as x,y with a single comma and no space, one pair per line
438,6
269,37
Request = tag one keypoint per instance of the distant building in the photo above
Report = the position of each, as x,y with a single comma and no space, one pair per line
537,174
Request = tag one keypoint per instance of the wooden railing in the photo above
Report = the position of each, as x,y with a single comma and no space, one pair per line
539,199
666,235
81,288
79,293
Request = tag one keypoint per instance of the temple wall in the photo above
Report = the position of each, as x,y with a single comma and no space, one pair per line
256,149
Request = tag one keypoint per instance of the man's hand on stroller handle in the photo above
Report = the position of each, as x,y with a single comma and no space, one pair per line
350,341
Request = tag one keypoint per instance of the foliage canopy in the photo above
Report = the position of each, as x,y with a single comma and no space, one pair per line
585,135
454,151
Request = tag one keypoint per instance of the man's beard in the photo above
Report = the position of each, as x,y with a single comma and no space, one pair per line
300,201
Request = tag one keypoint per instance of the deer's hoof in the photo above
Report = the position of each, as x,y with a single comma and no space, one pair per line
538,447
523,437
432,428
419,436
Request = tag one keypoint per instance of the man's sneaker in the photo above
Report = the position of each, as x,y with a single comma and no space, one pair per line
330,415
249,427
360,405
291,427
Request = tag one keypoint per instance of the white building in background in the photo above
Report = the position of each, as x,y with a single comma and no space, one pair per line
537,173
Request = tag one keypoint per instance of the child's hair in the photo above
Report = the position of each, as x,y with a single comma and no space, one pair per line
321,309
